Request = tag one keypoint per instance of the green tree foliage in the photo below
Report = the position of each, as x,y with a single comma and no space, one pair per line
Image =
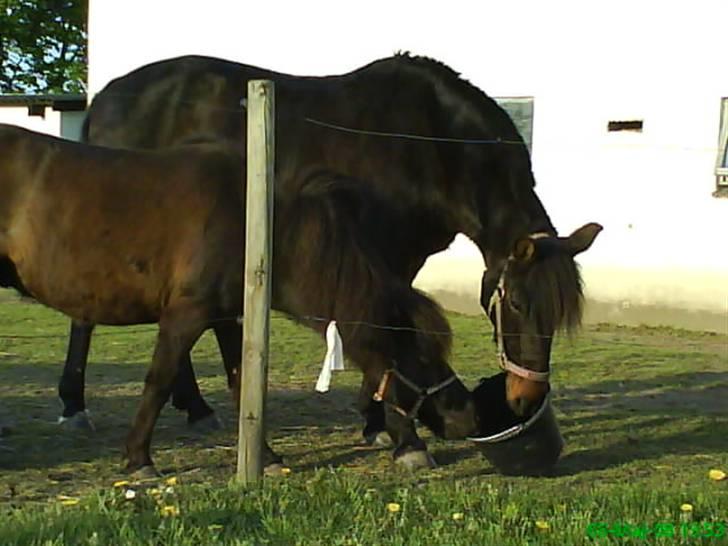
43,46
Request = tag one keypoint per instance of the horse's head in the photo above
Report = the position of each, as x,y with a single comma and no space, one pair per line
420,382
530,295
445,405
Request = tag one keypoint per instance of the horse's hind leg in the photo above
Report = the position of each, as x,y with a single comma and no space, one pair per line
229,336
179,329
186,396
72,384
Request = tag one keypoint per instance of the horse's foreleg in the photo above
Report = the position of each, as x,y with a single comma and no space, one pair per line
179,329
72,384
410,450
374,432
229,336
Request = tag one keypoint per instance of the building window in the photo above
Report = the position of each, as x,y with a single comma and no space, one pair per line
632,125
521,111
721,163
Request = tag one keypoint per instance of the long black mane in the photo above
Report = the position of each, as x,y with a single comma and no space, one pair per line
555,293
331,241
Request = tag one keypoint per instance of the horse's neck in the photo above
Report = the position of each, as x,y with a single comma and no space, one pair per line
507,214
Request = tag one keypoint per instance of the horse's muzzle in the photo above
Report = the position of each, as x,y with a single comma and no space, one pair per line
460,423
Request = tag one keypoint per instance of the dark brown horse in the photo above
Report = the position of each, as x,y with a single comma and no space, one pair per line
126,237
432,146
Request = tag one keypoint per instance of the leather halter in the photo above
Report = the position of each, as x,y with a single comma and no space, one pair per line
423,393
496,301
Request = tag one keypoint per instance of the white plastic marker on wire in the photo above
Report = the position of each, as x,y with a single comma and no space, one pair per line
334,359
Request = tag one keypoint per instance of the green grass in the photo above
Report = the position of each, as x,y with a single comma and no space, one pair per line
644,412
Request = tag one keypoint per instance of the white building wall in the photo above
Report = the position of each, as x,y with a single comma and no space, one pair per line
585,63
18,115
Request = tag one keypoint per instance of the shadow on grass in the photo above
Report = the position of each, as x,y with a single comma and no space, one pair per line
673,414
679,414
29,407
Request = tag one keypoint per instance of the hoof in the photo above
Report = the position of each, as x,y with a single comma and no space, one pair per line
80,421
146,472
378,439
209,423
415,460
276,469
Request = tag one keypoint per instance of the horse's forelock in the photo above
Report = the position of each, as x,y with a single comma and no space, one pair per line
556,293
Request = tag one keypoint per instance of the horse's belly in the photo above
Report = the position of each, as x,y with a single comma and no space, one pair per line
97,297
104,307
114,310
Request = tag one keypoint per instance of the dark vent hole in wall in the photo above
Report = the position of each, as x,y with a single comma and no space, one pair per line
631,125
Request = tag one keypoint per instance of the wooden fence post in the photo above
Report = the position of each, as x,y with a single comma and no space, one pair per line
257,281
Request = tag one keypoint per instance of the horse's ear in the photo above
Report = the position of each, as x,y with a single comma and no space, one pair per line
524,249
583,238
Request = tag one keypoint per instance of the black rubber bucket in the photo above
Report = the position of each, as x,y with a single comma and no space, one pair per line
515,446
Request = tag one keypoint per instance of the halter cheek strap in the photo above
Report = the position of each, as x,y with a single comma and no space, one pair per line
423,394
496,301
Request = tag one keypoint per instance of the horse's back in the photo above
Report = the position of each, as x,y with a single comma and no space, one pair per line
171,101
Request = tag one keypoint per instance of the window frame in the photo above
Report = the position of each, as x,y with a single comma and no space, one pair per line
512,103
721,161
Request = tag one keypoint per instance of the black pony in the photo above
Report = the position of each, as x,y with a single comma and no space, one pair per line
432,146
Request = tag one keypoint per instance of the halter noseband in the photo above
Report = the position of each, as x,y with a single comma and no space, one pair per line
496,300
423,393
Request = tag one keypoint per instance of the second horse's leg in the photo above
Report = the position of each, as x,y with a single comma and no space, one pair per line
186,396
410,450
71,386
374,432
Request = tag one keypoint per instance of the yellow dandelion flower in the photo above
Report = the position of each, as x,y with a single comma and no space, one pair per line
686,507
393,507
154,492
285,470
121,483
458,516
69,502
169,510
171,481
717,475
542,525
